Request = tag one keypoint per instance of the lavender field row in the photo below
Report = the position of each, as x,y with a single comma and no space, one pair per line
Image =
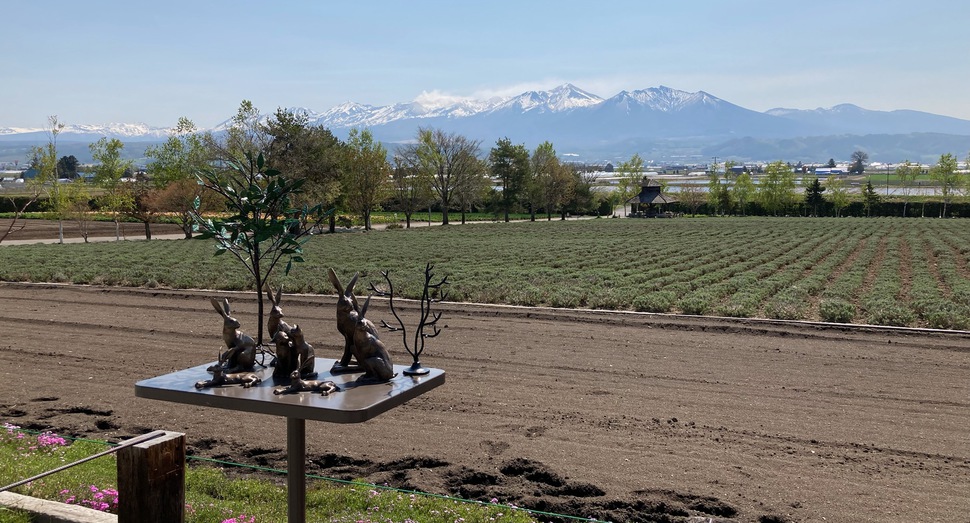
887,271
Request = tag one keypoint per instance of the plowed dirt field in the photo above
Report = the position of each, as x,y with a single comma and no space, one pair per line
617,416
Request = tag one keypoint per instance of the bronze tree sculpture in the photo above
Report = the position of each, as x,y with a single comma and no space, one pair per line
433,293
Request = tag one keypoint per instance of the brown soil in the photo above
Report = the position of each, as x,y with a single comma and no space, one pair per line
619,416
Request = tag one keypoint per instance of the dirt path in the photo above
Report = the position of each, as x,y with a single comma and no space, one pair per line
36,231
616,416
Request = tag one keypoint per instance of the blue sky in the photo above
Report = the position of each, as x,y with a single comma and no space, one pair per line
96,62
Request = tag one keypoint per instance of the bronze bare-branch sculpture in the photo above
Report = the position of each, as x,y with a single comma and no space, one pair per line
433,293
348,313
298,384
241,349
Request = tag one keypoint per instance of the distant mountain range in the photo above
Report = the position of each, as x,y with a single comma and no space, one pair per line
660,123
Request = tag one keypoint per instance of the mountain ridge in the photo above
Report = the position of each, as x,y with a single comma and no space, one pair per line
573,118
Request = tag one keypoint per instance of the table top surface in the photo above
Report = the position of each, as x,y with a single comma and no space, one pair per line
354,403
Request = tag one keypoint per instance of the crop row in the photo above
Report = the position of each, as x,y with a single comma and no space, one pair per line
888,271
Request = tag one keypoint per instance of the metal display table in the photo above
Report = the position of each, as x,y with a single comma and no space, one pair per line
354,403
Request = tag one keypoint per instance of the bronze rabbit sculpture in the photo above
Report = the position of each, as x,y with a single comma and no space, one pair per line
347,320
298,384
293,353
369,350
275,322
241,349
221,377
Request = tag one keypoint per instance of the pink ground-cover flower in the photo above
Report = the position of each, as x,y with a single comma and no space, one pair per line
105,500
49,439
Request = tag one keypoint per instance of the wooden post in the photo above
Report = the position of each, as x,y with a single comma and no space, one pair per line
151,481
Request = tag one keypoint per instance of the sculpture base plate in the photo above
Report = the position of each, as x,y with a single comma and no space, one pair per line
416,370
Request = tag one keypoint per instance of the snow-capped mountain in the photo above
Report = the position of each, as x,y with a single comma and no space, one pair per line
122,131
563,98
657,120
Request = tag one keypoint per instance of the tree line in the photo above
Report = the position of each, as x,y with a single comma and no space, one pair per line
779,189
444,171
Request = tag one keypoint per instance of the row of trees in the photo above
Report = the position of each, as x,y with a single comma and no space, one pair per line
443,170
359,176
777,190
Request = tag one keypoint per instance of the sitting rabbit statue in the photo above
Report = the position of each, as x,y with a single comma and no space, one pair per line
284,355
303,352
370,351
221,377
241,353
292,353
298,384
347,316
275,322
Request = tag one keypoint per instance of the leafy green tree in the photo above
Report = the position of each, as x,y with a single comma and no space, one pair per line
172,169
77,206
243,134
813,195
692,197
719,199
542,165
743,191
869,198
946,175
776,188
858,162
412,188
45,161
907,172
108,174
581,198
472,189
838,195
366,175
551,182
510,165
558,187
631,174
67,167
263,228
448,159
309,152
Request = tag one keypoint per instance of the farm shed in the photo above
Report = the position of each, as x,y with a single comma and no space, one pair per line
651,200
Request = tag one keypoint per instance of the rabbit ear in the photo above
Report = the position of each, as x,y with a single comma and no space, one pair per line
279,294
350,286
363,310
225,305
269,294
217,305
353,300
335,281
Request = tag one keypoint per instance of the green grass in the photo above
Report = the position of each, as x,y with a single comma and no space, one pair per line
212,496
784,268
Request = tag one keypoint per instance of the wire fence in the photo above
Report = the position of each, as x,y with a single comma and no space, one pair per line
146,437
